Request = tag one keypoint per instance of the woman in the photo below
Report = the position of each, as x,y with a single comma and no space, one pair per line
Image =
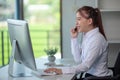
92,53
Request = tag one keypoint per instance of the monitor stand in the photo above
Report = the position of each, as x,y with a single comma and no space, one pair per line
11,69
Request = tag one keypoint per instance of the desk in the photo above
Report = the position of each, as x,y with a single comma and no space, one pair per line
40,65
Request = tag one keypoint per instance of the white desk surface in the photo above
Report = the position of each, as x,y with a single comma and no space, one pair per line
40,65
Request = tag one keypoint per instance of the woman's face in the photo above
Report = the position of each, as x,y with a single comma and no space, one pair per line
81,22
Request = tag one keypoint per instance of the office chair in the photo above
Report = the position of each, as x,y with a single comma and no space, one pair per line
115,69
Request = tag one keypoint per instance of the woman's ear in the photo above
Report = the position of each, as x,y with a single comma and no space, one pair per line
90,21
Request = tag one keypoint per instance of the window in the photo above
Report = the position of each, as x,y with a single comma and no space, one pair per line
6,11
44,24
43,17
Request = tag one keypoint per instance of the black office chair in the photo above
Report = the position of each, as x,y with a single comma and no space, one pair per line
115,69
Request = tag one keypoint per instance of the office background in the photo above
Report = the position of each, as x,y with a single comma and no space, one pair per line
111,21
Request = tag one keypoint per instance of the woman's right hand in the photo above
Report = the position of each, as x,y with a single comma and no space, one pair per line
56,70
74,33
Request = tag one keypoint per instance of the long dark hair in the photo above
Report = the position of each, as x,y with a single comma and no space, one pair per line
95,15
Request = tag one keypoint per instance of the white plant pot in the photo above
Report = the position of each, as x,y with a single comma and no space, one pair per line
51,58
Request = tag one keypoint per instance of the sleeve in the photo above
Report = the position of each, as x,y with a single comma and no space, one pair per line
93,51
76,50
68,70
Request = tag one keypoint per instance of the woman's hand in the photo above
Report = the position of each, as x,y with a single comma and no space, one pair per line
74,32
56,70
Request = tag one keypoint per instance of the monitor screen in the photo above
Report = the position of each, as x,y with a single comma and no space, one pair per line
19,32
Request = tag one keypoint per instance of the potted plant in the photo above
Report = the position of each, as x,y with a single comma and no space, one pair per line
51,52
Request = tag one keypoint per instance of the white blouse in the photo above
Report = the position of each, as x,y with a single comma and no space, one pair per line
92,54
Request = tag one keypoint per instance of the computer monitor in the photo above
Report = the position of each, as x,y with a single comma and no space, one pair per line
22,51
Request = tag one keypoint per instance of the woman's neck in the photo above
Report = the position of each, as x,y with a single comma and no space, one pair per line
91,27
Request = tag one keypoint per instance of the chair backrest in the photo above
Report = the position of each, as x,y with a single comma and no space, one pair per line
117,65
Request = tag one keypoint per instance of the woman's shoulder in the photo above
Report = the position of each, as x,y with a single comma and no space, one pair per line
99,38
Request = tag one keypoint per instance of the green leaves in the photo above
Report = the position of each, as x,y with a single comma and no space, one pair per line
51,51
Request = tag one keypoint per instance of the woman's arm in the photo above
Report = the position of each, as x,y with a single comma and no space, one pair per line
76,50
